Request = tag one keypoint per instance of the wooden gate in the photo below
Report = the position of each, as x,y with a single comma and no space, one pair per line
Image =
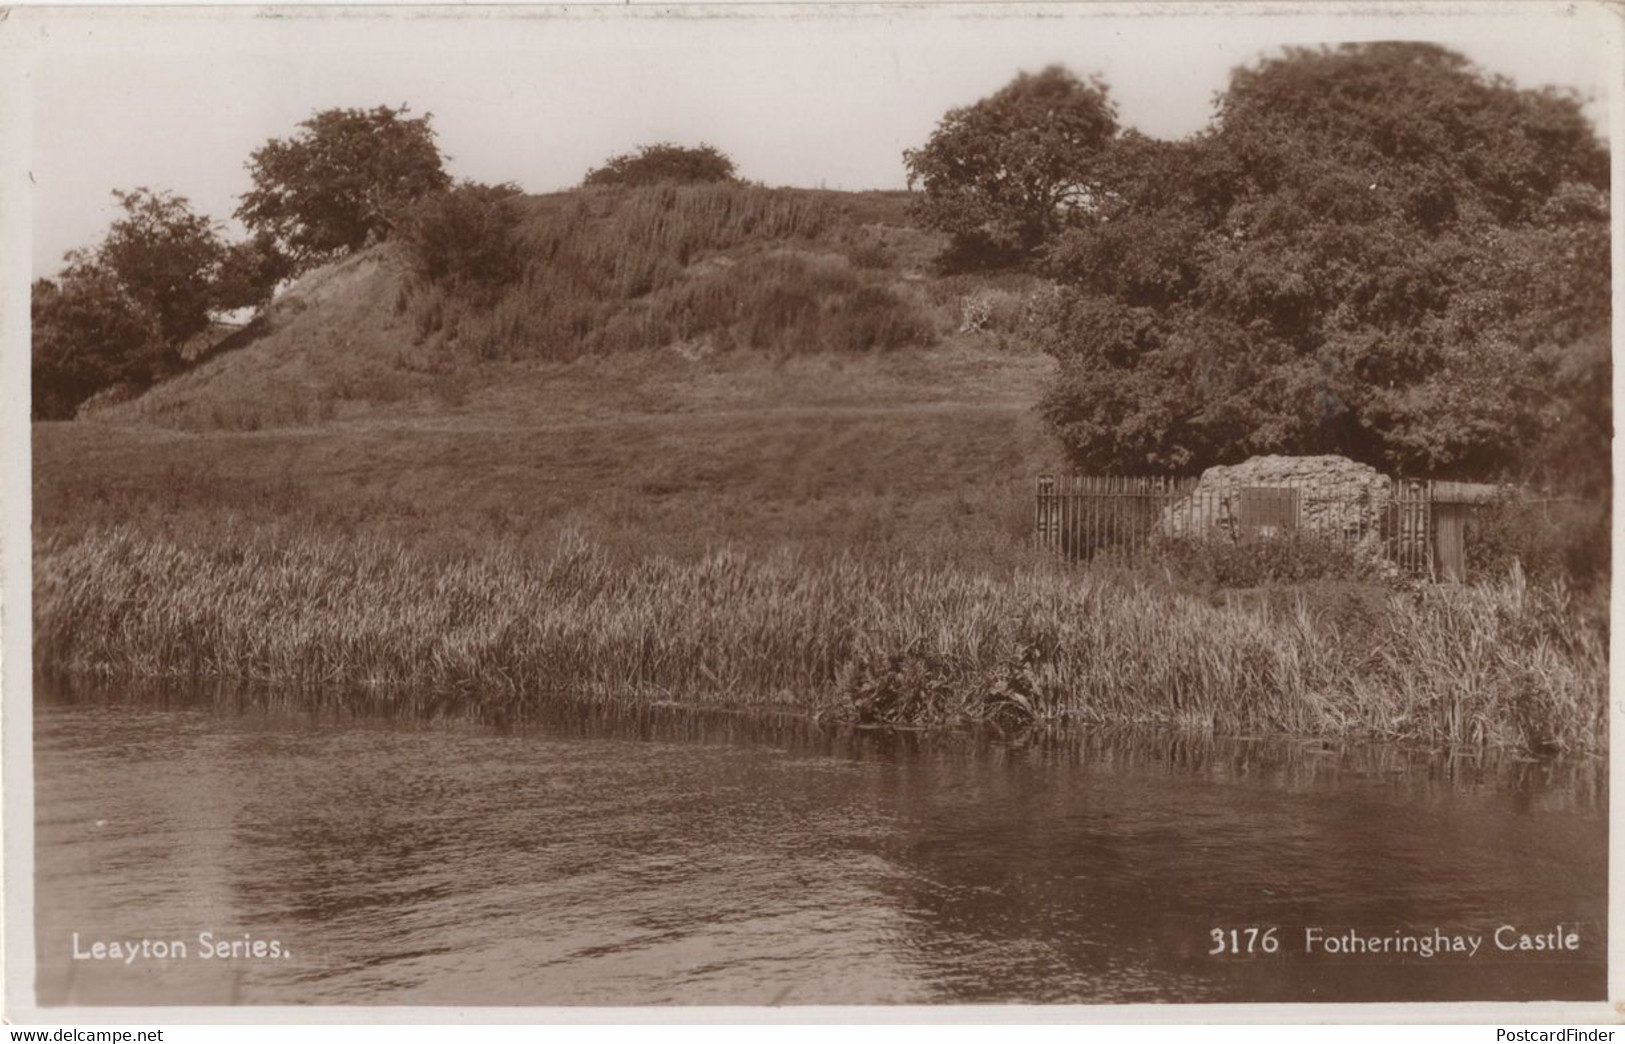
1450,541
1453,506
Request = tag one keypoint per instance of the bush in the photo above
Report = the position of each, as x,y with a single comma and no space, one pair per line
662,164
871,253
1549,540
990,309
118,315
466,239
1304,277
87,337
1257,561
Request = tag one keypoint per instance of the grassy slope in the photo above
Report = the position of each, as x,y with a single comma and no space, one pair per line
345,414
657,454
333,337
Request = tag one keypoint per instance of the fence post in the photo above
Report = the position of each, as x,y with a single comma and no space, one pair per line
1045,505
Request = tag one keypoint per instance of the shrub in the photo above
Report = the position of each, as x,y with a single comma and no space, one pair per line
872,253
994,310
1302,277
1256,561
1548,540
466,239
118,315
791,305
875,318
88,337
664,163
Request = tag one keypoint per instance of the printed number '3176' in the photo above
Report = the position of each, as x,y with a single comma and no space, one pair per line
1243,940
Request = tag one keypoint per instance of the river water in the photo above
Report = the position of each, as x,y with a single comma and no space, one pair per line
669,857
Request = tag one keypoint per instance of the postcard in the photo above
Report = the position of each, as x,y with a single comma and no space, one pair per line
1082,508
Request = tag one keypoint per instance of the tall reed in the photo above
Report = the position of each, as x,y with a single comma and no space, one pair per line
502,629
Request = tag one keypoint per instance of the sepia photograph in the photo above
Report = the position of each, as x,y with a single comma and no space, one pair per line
1055,506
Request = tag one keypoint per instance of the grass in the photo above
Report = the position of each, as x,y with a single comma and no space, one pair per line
718,266
923,454
498,629
331,343
718,445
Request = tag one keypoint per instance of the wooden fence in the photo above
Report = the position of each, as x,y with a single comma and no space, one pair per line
1416,525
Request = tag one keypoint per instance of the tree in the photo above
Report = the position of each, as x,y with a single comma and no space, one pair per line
249,273
342,181
1376,250
87,335
165,258
120,313
662,163
1005,174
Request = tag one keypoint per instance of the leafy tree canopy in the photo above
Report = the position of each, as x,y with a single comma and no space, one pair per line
1376,250
120,313
342,181
1005,174
662,163
249,273
87,335
165,258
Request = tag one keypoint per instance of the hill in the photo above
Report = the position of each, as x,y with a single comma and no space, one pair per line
746,366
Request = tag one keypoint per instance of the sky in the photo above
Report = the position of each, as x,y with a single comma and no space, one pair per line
178,99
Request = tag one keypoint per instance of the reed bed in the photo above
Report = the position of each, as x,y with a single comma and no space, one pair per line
887,643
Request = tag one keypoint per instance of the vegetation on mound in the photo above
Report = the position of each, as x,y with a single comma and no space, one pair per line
665,249
481,276
706,267
128,313
1007,174
500,629
331,339
1376,250
664,163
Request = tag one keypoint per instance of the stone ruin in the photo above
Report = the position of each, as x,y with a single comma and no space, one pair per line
1272,496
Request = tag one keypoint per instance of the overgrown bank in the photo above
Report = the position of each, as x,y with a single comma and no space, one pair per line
498,630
